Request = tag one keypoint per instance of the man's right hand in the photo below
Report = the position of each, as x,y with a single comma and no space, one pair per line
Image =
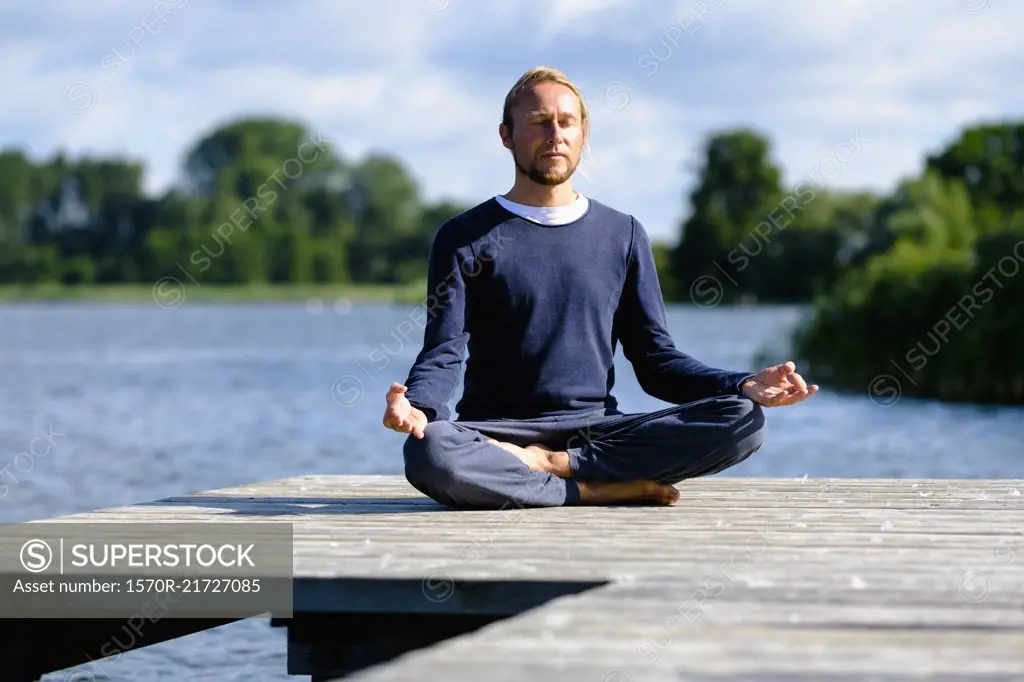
400,415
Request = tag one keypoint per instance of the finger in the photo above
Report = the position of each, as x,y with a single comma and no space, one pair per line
797,381
417,425
394,399
790,398
776,373
402,425
800,396
806,392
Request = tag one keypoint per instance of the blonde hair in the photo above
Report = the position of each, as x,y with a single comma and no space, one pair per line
544,74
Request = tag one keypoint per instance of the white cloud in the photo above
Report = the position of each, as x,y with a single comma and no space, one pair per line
424,79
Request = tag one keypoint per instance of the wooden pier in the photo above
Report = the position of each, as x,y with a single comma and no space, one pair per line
743,579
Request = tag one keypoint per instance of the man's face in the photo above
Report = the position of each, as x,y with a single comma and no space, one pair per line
547,133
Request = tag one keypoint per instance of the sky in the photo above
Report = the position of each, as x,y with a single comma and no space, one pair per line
852,94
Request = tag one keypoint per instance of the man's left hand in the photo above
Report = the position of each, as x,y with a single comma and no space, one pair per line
778,386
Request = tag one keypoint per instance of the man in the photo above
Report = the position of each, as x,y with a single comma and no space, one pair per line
541,283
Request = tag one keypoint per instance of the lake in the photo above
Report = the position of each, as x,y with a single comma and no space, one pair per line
130,403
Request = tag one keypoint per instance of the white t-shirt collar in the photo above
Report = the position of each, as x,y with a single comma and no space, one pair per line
548,215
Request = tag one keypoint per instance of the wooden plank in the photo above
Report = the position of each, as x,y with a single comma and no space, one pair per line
615,640
722,486
743,579
736,654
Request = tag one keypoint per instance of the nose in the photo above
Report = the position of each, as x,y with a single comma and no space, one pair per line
555,132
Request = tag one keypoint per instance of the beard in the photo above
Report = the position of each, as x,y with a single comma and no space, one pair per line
549,178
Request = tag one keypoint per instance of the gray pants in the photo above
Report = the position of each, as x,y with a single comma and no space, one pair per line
456,466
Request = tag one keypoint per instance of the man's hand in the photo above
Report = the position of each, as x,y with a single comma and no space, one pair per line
777,386
400,415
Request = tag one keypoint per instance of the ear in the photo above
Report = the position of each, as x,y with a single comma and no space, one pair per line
505,135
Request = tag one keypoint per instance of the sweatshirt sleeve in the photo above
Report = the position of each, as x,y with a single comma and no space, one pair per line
435,372
662,370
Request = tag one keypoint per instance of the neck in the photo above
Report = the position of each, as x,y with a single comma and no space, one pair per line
529,193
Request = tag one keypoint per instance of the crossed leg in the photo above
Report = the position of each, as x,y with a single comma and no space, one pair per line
597,460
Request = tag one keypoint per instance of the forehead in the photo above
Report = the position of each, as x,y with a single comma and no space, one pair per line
548,98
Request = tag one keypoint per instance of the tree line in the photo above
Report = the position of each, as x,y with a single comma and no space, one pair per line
913,292
260,200
910,292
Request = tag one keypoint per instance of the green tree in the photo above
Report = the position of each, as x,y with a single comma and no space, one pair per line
988,159
264,143
933,212
933,301
384,202
737,186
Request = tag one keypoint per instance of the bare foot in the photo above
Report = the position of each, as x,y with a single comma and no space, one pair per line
539,457
532,457
628,491
557,460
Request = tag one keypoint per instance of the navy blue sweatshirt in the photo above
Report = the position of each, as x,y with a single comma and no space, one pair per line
541,309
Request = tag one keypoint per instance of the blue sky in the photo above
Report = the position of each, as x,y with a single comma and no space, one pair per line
425,80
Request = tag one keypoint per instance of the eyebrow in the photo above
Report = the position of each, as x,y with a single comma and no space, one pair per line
538,112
